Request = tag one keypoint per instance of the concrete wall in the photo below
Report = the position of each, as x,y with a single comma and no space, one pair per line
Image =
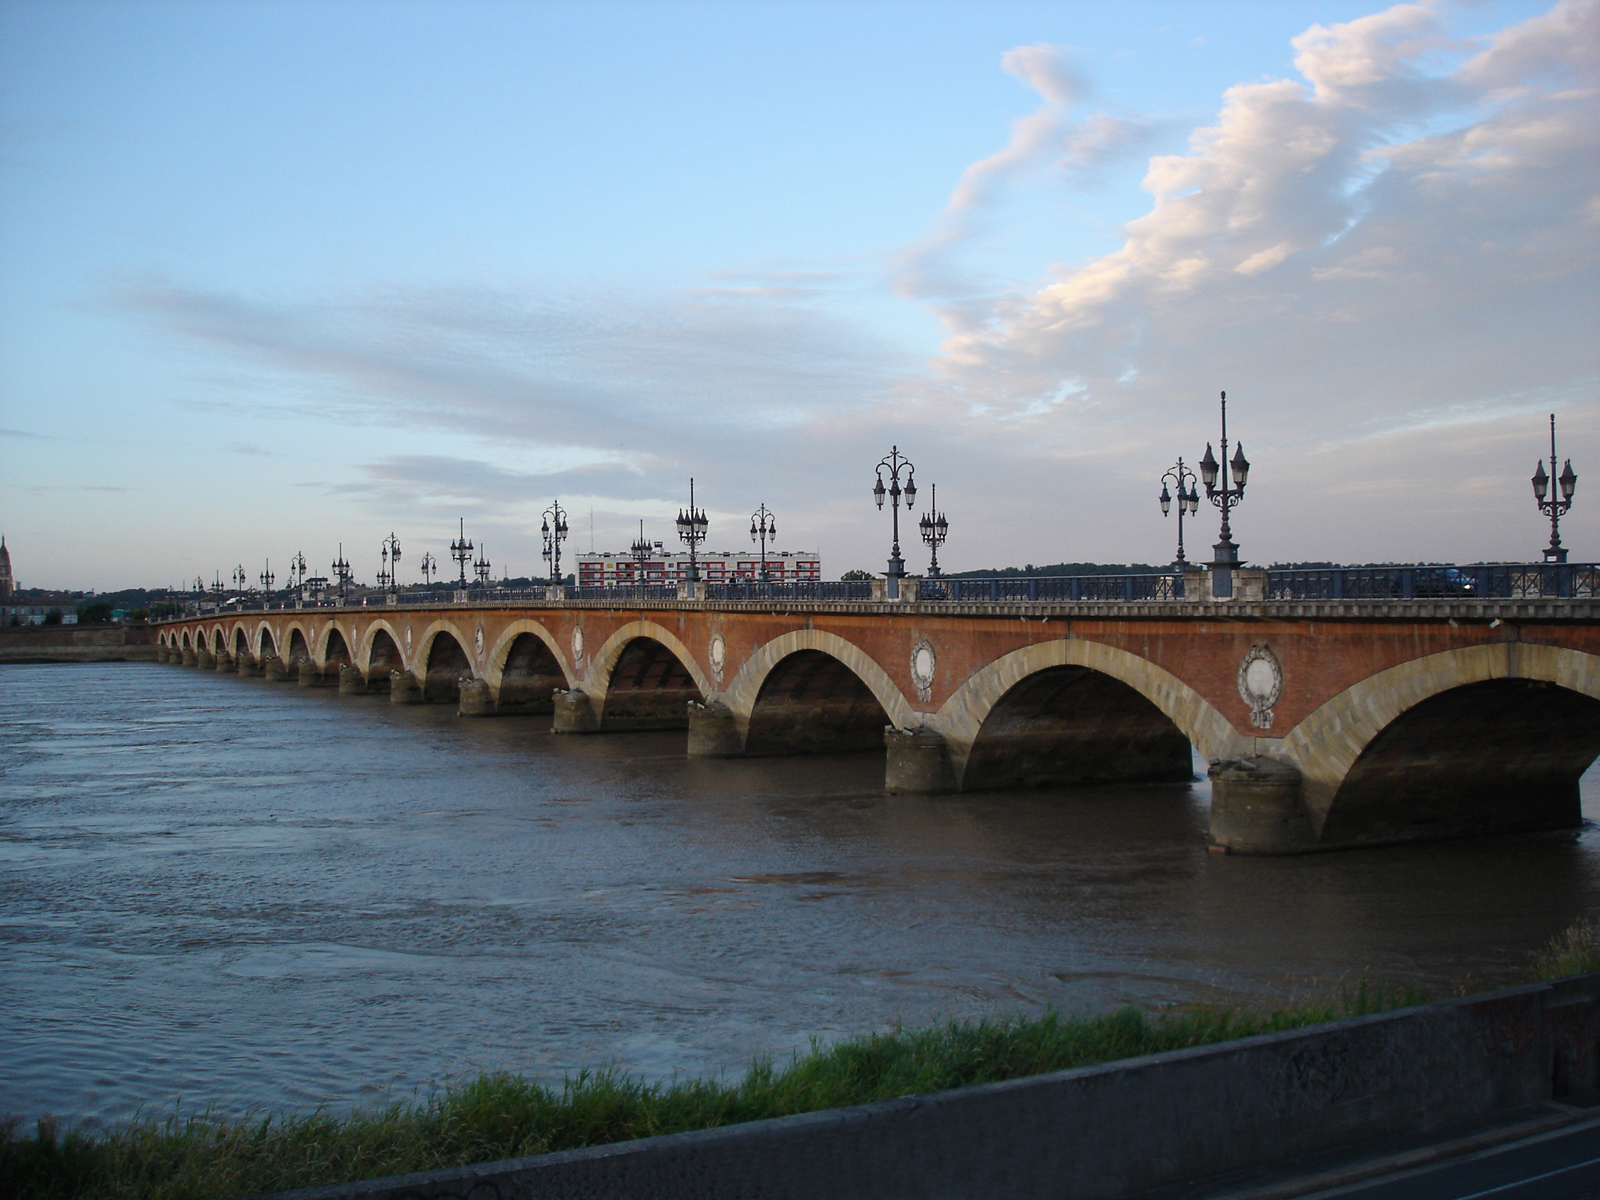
77,643
1102,1131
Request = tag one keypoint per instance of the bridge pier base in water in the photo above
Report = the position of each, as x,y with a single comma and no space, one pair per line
1257,807
713,732
404,688
574,713
204,660
352,682
225,662
917,760
475,699
273,669
247,665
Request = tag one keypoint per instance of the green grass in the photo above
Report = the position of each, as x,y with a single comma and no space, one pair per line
1573,952
505,1116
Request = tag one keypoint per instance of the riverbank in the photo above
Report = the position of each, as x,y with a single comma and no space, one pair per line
504,1116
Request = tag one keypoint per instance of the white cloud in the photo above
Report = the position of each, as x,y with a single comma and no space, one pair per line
1391,233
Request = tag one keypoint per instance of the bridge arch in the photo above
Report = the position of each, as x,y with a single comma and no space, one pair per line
333,651
744,696
266,642
525,666
643,677
240,645
442,658
1032,686
378,653
1523,724
298,643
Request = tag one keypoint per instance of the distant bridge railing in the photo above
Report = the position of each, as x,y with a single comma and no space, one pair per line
1484,581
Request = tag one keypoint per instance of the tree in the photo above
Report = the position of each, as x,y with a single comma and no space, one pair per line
856,575
97,613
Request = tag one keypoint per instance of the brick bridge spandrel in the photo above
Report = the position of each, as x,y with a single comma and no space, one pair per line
1339,728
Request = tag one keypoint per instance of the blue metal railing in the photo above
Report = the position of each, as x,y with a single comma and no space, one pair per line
813,589
1070,589
1482,581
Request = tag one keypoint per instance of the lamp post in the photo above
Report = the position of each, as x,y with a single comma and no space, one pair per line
896,462
342,569
389,576
1225,496
297,572
267,580
218,588
934,530
640,553
461,551
1555,506
480,569
554,530
430,567
1188,499
763,526
692,530
240,579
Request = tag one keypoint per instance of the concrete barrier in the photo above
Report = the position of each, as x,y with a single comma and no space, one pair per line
1106,1131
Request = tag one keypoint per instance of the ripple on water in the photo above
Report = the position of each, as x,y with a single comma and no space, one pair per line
247,896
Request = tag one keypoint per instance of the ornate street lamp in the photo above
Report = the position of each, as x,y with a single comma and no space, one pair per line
342,569
934,530
218,588
763,526
389,573
692,530
297,572
640,552
461,551
480,569
1223,495
240,579
895,463
430,567
1188,499
267,577
554,530
1555,506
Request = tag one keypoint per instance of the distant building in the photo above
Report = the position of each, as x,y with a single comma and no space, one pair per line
30,608
716,566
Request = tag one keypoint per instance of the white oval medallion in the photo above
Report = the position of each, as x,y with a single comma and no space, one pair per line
577,643
718,652
477,639
408,638
1260,683
923,664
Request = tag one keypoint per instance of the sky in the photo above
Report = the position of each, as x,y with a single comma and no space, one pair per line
288,277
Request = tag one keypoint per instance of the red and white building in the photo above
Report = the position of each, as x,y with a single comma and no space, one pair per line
716,566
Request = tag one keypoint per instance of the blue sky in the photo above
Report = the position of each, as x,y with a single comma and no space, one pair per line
280,277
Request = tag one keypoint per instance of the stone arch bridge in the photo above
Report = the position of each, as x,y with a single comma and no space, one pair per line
1327,723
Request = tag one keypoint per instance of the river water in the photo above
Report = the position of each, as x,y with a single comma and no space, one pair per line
245,896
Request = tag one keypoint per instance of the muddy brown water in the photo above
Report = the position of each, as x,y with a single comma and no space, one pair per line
247,896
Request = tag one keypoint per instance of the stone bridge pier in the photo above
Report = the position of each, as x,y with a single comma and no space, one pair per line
1326,724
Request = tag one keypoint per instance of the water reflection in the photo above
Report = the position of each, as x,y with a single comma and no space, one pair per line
246,895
